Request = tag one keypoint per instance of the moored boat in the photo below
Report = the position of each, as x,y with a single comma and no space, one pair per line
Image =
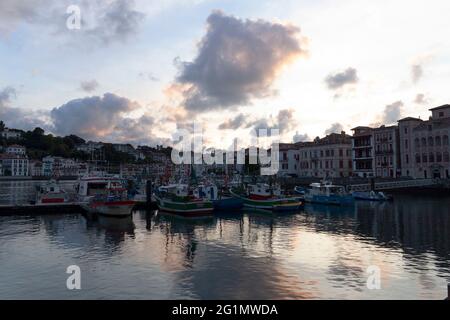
104,195
222,200
327,193
51,193
179,199
273,202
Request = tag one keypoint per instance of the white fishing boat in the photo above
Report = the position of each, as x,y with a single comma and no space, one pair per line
51,193
104,195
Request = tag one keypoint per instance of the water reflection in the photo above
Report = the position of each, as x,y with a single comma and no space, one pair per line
321,252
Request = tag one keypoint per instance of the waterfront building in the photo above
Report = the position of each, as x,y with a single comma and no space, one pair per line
35,168
58,166
16,150
14,165
329,157
425,145
363,152
289,159
387,154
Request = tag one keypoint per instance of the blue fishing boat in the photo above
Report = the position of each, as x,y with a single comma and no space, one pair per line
222,201
327,193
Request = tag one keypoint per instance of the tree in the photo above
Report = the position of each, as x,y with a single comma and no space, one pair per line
2,125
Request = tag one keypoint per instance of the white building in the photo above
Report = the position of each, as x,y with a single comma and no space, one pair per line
58,166
424,145
14,165
11,134
16,150
289,159
89,147
329,157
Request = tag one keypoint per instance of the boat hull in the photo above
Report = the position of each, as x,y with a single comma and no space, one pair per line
186,209
330,200
112,209
278,205
228,204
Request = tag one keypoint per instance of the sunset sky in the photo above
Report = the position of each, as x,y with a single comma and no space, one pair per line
137,71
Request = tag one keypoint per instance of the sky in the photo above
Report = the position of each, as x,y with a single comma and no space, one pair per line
136,71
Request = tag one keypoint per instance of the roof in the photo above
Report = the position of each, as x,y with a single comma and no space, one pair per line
410,119
445,106
361,127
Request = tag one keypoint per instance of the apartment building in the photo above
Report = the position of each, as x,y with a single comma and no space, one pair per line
387,154
424,145
14,165
289,159
363,152
329,157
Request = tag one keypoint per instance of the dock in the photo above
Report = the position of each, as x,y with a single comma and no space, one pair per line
51,208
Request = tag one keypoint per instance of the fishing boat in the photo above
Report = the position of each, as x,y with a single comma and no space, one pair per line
371,196
180,199
300,191
51,193
104,195
263,197
327,193
222,200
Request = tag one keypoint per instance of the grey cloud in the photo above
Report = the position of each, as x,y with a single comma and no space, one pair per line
237,61
421,99
335,128
234,123
340,79
89,86
18,117
416,72
284,122
91,117
392,113
298,137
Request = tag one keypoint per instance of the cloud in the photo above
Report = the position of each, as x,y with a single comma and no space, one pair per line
89,86
392,113
416,73
298,137
338,80
284,122
335,128
19,118
421,99
92,117
234,123
104,21
237,61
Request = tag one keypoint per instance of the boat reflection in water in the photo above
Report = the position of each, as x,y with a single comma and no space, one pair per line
319,252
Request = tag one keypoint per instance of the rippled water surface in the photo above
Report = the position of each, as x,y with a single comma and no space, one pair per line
321,252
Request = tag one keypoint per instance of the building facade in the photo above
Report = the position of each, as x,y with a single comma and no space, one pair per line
16,150
425,146
289,159
14,165
387,154
363,152
329,157
11,134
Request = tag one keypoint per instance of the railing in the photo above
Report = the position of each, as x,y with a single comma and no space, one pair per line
396,184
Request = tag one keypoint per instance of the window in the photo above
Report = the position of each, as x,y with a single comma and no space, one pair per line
424,142
424,158
406,130
438,157
446,157
431,157
441,114
438,141
406,144
430,141
417,158
445,140
407,159
417,142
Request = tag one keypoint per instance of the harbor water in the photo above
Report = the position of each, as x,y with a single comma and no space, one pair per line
318,253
